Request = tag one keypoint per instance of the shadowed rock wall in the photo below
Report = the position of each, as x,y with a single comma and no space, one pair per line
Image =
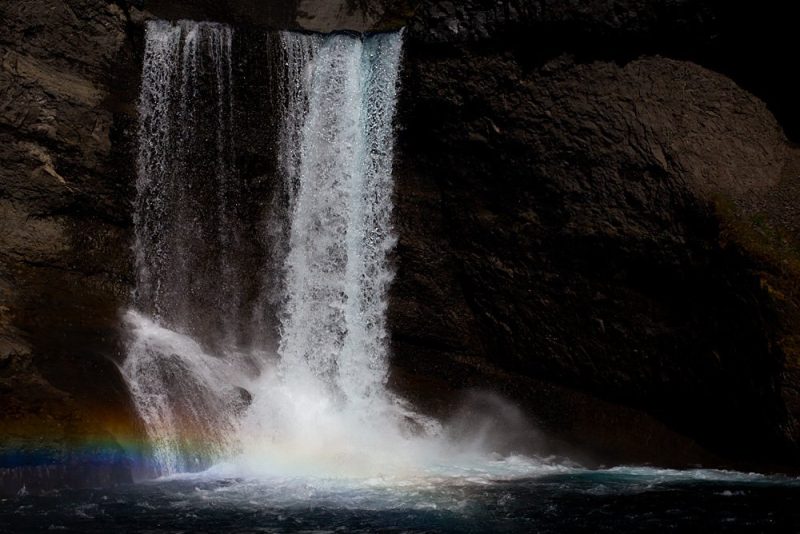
65,184
577,208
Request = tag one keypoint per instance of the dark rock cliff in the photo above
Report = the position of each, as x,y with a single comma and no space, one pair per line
584,202
595,208
65,185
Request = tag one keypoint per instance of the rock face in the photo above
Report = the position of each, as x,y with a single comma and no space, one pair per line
597,220
595,211
578,219
307,15
65,181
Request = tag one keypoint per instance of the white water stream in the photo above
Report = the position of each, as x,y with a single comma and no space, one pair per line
320,404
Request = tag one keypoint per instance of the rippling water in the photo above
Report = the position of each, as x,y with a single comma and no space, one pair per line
555,499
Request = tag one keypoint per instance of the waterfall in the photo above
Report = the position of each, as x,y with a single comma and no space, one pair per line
325,406
187,194
186,246
204,392
337,274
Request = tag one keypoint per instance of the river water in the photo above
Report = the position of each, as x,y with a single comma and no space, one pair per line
556,499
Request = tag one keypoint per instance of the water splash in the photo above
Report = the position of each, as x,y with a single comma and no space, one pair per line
314,404
186,396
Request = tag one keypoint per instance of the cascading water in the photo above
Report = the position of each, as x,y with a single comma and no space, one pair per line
186,247
329,222
315,402
187,194
326,402
333,325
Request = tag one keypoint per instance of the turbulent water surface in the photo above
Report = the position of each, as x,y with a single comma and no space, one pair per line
556,499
